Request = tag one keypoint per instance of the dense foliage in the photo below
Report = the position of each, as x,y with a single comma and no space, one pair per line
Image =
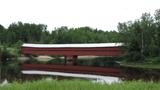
142,36
32,33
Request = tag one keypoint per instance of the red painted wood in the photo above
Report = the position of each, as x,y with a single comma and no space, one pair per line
73,69
107,51
74,53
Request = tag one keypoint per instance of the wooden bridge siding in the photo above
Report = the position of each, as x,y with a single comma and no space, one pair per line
109,51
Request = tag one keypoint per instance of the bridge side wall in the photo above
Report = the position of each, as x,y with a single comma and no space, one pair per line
107,51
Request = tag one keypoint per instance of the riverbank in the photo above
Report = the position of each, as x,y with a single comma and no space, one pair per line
141,71
141,65
80,85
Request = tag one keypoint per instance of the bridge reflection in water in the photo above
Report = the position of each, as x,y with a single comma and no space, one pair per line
94,78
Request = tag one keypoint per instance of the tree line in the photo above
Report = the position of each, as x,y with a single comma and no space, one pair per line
33,33
141,37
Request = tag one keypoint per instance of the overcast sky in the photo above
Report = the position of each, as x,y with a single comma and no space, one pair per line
101,14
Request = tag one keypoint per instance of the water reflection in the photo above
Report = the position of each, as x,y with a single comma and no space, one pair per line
94,78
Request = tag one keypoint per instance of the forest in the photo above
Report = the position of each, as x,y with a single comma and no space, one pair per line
141,36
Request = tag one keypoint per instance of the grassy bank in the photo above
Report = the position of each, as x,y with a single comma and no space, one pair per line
81,85
141,65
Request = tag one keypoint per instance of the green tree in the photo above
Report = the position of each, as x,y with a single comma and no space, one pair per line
157,25
2,34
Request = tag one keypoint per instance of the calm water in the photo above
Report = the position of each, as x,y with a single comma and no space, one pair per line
13,74
94,78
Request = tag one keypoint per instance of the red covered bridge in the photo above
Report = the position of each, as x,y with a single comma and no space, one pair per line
71,52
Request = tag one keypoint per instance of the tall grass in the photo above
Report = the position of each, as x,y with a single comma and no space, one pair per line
80,85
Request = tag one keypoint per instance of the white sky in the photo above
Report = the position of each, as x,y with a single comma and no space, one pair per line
101,14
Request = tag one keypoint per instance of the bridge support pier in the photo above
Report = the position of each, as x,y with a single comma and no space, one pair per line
71,60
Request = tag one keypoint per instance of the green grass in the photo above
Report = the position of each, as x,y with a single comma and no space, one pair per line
80,85
143,65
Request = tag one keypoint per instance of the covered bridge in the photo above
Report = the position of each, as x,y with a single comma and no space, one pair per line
71,53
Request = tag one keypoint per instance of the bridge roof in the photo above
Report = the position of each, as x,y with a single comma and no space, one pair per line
84,45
